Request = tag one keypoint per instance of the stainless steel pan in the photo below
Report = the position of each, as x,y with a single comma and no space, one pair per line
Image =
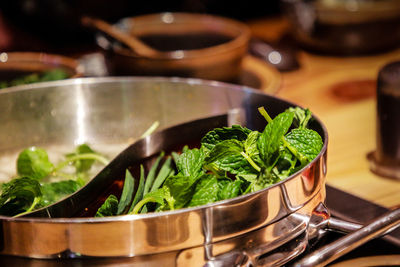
276,223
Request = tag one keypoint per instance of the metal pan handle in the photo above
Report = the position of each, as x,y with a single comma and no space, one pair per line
323,256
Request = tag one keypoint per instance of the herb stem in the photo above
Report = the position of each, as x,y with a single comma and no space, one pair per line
36,201
252,163
64,175
303,160
265,114
93,156
141,203
151,129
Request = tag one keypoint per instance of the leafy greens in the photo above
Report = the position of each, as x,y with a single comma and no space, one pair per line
34,187
49,75
231,161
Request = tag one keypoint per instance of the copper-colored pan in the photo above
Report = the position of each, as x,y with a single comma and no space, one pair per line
277,221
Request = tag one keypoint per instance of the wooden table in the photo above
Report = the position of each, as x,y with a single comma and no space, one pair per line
341,92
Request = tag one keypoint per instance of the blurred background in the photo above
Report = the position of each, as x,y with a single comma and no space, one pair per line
321,54
55,24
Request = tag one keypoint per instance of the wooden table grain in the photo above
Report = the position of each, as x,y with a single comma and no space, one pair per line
341,92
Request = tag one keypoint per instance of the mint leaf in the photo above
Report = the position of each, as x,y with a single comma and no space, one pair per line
206,191
52,192
83,164
220,134
306,141
169,201
251,178
250,144
301,116
160,196
181,188
109,207
286,164
224,149
227,156
156,196
228,188
19,195
258,181
34,162
251,147
190,162
265,179
269,141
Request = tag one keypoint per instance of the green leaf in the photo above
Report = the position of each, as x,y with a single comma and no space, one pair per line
127,193
50,75
251,177
190,162
251,149
250,144
269,141
286,164
220,134
265,179
19,195
258,181
83,164
306,141
158,196
152,174
227,156
301,116
53,75
139,191
229,189
34,162
109,207
181,188
169,201
206,191
52,192
165,171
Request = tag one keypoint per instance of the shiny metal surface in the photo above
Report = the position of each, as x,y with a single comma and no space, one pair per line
330,252
118,110
360,211
342,226
278,243
84,202
273,245
106,110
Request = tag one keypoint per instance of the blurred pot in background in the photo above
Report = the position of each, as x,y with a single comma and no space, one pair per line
344,27
18,68
192,45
